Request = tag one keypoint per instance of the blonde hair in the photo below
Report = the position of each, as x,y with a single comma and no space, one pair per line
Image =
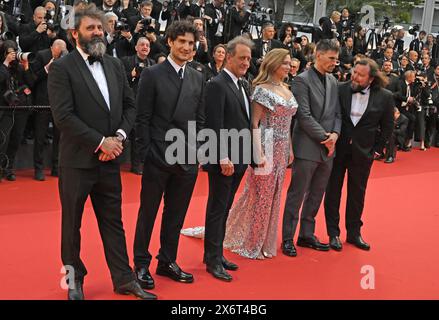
272,61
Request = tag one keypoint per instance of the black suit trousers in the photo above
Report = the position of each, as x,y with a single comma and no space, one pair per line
358,175
410,114
222,190
103,185
176,187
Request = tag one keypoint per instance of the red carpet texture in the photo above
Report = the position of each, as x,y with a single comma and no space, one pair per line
401,219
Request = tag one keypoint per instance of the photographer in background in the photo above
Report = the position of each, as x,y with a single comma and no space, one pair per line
215,15
424,106
143,20
41,117
15,81
418,43
329,26
5,33
36,35
236,20
265,44
134,65
118,36
396,142
201,45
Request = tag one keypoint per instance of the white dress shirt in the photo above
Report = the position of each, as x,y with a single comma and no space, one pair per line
235,80
176,66
359,105
97,71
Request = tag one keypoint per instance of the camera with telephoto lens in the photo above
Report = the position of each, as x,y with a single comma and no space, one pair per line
51,21
413,29
25,56
256,7
121,25
146,25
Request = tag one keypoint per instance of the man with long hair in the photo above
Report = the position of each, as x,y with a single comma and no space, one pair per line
367,108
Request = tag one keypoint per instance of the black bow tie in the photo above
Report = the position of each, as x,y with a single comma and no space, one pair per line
358,91
92,59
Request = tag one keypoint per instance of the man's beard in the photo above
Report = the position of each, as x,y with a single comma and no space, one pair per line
95,47
357,87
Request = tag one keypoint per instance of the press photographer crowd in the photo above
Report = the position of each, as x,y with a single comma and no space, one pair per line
32,38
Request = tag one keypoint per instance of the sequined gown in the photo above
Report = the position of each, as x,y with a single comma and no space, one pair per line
253,220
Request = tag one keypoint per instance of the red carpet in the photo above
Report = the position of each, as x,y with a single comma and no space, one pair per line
401,223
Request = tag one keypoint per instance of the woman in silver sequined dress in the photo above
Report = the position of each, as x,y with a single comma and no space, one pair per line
252,223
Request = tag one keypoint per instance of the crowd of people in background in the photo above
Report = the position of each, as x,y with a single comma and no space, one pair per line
31,39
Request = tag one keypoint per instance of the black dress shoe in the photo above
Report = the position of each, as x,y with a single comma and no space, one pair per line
219,272
76,293
288,248
133,288
358,242
389,160
173,271
39,175
312,243
144,278
228,265
10,176
335,243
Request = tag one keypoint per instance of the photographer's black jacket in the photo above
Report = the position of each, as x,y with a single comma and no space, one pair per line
22,78
32,41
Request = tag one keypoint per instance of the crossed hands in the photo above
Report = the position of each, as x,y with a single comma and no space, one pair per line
331,139
111,148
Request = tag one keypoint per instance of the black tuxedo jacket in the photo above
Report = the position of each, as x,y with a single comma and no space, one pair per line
225,109
394,86
80,111
362,140
42,58
165,102
257,50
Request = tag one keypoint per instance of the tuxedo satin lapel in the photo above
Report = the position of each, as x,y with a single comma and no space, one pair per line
90,81
111,82
348,101
235,91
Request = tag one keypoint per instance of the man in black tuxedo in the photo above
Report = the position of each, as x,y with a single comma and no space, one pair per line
366,108
40,67
215,15
265,44
406,103
418,43
329,26
93,107
388,56
170,99
227,108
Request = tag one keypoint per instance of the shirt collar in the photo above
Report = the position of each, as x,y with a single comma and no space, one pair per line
175,65
82,53
234,78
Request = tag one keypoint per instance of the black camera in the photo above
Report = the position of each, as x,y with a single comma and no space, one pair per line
139,68
413,29
51,21
11,98
147,26
122,25
256,7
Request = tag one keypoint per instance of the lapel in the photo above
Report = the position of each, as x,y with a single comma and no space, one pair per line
315,79
348,102
236,92
327,93
90,81
112,83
